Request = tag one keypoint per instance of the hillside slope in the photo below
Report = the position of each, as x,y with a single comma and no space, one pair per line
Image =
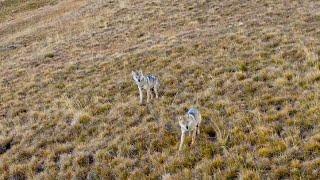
69,107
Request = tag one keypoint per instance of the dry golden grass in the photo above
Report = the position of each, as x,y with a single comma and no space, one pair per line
69,107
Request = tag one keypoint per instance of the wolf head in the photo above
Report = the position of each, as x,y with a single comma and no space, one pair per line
137,76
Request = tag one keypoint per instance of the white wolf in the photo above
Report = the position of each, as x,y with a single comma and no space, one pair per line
190,123
148,83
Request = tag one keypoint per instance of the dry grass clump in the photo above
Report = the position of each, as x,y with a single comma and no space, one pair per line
69,107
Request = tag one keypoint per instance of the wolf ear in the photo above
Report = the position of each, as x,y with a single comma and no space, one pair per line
134,75
181,118
180,121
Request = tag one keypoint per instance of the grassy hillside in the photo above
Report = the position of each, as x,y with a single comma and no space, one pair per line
8,8
69,107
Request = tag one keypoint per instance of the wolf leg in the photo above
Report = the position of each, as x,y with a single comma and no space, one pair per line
181,140
141,95
148,95
156,92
